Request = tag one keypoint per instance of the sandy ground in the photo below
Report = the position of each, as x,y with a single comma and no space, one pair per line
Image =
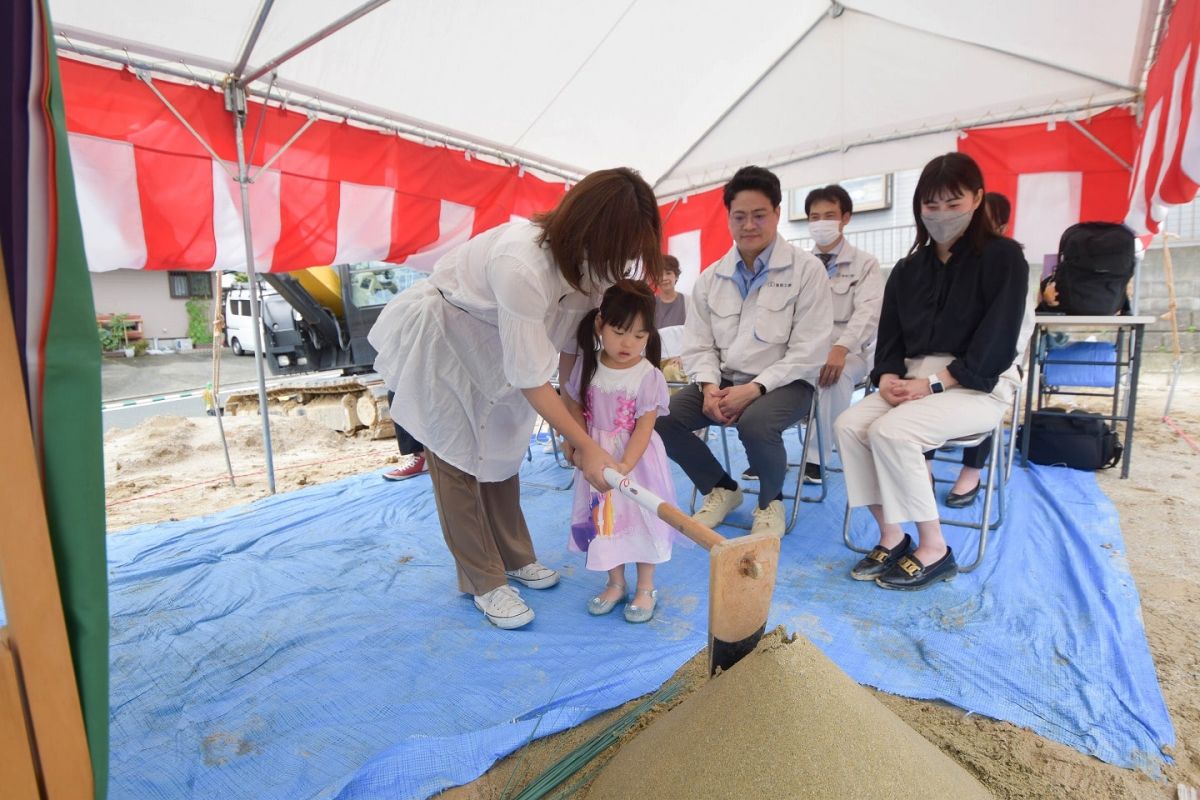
167,468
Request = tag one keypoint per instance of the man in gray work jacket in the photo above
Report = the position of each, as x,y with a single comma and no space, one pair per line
755,340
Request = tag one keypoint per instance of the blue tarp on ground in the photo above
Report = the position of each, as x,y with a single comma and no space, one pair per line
311,645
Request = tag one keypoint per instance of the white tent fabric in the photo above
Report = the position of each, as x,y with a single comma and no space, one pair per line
684,91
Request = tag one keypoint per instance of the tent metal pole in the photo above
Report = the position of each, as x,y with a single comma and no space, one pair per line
260,19
1041,62
145,78
898,137
283,148
296,100
236,100
295,50
724,114
1108,151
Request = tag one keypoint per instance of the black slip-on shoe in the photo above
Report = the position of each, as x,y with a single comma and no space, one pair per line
910,574
812,474
880,560
963,500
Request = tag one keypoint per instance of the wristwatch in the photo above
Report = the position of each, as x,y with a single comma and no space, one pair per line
935,384
762,390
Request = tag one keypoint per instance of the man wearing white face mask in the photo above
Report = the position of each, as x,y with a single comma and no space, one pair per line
857,289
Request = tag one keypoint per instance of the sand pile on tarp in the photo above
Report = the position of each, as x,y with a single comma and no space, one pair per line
783,722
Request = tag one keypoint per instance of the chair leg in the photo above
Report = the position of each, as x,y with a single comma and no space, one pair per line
695,491
995,469
1011,452
809,427
846,532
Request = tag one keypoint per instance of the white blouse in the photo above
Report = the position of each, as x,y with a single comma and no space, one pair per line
458,348
506,279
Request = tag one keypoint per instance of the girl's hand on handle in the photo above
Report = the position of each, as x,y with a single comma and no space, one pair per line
592,462
568,452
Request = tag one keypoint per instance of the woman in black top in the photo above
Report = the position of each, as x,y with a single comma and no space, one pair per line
944,368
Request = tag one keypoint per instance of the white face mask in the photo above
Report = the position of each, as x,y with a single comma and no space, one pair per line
824,231
946,226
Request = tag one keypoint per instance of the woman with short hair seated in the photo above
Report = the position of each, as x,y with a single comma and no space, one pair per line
944,367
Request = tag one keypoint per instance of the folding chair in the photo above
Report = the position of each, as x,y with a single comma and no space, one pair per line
802,428
994,486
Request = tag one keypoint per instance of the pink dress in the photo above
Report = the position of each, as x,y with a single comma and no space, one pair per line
609,527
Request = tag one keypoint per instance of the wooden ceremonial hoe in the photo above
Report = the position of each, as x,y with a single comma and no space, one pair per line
741,576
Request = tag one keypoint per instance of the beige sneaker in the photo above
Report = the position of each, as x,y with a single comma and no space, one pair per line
717,505
769,521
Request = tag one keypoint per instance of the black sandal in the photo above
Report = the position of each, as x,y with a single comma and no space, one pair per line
880,560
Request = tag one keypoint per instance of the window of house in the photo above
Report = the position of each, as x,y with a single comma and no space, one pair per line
190,284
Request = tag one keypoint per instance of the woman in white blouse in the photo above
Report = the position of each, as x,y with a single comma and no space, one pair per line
470,353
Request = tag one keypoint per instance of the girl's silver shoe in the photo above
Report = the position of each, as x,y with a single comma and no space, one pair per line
598,608
636,614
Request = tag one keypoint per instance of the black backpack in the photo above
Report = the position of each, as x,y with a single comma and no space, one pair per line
1079,440
1095,264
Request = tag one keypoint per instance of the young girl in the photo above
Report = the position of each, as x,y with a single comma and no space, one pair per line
615,391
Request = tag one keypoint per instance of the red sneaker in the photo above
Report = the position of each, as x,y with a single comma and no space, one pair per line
410,467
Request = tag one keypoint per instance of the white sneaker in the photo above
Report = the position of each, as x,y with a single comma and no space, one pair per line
504,608
535,576
548,446
769,520
717,505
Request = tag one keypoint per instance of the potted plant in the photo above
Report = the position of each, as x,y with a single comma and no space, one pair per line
114,335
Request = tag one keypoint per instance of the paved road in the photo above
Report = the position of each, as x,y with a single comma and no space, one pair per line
135,389
147,376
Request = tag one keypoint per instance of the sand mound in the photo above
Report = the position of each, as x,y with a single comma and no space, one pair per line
784,722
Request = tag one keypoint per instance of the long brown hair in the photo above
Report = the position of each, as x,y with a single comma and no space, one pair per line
624,302
607,220
951,175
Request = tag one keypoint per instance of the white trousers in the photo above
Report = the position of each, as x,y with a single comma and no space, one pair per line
834,400
882,446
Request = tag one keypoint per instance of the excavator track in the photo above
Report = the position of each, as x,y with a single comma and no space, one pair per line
349,404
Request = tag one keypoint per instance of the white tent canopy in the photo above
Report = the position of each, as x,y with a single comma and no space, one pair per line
686,92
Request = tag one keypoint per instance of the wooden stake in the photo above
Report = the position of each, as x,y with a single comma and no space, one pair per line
17,773
37,629
741,576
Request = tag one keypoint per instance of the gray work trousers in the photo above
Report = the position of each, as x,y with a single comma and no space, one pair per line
760,427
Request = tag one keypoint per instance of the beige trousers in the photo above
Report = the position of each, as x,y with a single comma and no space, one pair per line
483,525
882,446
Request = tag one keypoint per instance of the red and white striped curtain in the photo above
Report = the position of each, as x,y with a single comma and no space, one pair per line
696,231
152,197
1167,170
1057,173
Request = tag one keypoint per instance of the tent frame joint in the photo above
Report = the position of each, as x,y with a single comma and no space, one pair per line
146,78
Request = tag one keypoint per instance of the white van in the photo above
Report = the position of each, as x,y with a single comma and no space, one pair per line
239,330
